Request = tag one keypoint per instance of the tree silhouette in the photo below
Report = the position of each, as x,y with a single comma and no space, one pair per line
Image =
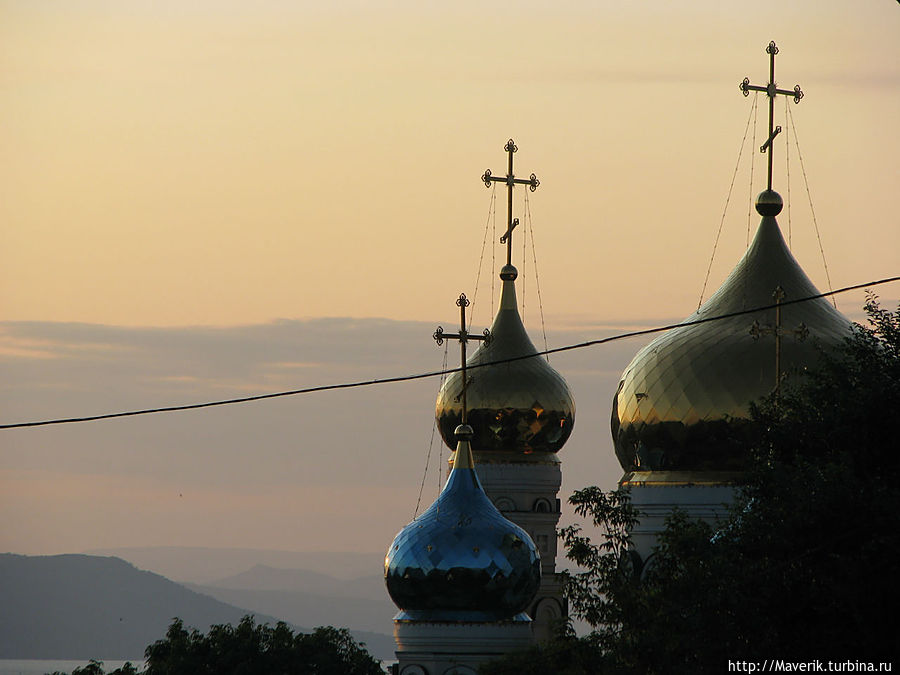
803,569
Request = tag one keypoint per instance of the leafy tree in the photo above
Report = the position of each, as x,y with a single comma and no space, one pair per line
95,667
567,655
250,649
804,568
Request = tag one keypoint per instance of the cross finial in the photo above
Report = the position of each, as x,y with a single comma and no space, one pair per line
757,331
771,90
463,336
510,179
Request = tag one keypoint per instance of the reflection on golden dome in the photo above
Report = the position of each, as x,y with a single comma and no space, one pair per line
520,407
683,401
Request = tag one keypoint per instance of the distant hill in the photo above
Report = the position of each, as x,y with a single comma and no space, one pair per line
266,578
82,607
311,598
370,621
205,565
306,597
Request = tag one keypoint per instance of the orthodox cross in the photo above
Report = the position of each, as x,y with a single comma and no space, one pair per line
463,336
757,331
532,182
771,90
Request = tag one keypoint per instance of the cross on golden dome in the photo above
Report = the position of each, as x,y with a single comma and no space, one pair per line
757,330
463,336
771,90
510,179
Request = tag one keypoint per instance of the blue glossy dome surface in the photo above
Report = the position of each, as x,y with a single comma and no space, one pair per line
462,560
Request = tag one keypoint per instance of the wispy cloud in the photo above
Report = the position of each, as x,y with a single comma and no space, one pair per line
361,442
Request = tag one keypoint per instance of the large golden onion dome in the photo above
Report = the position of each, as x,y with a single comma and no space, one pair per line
682,403
518,408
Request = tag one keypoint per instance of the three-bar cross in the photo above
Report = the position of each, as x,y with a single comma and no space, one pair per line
771,90
463,336
757,331
510,179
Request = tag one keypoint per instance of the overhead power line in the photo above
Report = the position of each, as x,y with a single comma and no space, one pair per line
435,373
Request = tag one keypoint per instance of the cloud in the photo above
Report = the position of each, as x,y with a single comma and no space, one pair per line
336,450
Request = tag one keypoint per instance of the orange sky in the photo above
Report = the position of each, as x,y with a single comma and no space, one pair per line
198,163
218,163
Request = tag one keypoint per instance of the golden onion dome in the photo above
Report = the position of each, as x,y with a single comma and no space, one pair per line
683,401
517,407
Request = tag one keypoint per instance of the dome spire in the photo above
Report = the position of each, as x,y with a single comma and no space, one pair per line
683,403
516,406
510,179
462,560
771,90
463,431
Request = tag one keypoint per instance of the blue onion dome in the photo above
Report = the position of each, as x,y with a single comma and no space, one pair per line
462,560
515,408
683,401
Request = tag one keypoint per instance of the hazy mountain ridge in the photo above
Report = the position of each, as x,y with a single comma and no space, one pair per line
79,607
303,607
201,565
311,598
266,578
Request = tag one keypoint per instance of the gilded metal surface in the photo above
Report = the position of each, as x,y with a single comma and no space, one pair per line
523,406
682,478
462,560
683,401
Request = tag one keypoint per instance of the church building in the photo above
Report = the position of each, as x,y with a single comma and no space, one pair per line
680,414
475,575
464,598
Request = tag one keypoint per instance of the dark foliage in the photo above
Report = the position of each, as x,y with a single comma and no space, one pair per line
250,649
567,655
95,667
805,568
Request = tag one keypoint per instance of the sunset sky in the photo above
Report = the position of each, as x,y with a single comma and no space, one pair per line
201,200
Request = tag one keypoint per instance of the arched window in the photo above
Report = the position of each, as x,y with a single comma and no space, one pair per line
542,505
414,669
505,504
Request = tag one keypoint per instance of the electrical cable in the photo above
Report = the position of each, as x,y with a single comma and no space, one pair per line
809,197
431,443
484,239
727,201
752,164
442,372
529,229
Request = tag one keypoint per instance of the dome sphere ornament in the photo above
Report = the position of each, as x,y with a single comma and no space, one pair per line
769,203
509,273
